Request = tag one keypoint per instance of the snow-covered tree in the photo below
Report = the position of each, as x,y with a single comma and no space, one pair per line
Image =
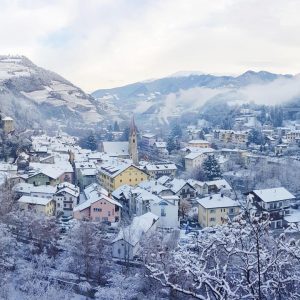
211,168
242,260
85,252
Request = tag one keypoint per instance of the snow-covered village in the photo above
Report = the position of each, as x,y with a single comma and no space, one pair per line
158,183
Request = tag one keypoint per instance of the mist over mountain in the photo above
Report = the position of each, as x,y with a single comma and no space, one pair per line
35,96
184,92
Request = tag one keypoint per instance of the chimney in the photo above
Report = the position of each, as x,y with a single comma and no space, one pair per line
222,195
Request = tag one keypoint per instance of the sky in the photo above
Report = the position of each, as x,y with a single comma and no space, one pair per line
107,43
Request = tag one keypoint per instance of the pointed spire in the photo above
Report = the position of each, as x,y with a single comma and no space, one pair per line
132,126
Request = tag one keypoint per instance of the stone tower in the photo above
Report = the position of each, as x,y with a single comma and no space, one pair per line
133,151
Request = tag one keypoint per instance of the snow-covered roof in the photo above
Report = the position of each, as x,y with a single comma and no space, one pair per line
163,179
140,225
68,188
7,119
90,201
94,193
198,142
88,172
124,189
116,148
274,194
27,188
153,186
219,183
217,201
34,200
160,167
294,216
113,170
149,135
177,184
160,144
198,150
52,170
194,182
8,167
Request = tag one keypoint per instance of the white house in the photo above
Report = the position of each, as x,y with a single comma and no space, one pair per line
126,245
166,207
66,198
275,201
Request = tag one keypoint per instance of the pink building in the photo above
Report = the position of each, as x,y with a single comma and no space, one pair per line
98,207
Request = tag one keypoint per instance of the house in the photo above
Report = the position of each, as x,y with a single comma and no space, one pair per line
200,187
199,143
114,175
123,195
216,210
116,149
97,206
161,149
156,188
126,245
7,124
37,204
28,189
50,174
195,159
86,173
181,188
166,207
218,185
231,136
275,201
66,198
161,169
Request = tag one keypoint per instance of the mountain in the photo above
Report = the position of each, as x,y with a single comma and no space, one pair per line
34,96
173,96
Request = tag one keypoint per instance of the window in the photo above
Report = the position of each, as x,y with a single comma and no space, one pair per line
120,180
231,210
163,212
108,213
212,211
212,219
58,204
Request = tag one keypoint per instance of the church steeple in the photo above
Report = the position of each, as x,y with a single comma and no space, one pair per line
133,152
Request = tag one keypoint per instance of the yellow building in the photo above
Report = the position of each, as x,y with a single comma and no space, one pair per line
113,176
37,204
216,210
230,136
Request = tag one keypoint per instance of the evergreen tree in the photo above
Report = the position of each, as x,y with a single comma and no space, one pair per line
125,134
211,168
171,144
89,142
255,137
176,131
116,126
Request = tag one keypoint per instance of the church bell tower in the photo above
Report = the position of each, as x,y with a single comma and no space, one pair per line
133,151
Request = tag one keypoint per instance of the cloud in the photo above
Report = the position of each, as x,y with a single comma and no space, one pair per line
276,92
98,43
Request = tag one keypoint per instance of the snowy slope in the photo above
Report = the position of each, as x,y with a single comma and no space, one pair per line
185,92
42,94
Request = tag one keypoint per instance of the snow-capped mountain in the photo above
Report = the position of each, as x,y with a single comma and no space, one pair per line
171,96
31,94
